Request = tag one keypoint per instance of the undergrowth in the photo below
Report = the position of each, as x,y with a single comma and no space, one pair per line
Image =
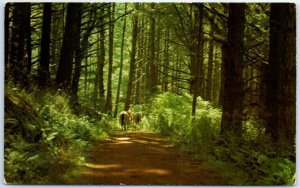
250,160
44,141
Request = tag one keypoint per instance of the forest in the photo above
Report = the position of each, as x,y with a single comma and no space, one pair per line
150,93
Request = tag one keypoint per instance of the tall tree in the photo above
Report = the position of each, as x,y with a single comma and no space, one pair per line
20,50
210,64
152,58
70,40
56,35
132,59
6,38
82,48
198,74
166,61
233,61
108,104
44,74
121,65
281,76
101,60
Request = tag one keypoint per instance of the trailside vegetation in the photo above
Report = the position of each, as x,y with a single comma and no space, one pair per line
216,79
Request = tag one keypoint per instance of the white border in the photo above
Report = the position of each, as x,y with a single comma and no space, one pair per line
2,10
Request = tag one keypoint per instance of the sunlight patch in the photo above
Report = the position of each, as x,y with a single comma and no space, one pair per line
122,138
102,166
157,171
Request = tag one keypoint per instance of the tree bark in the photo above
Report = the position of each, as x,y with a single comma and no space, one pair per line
132,61
82,47
20,50
210,65
281,77
121,65
6,38
108,104
102,62
139,64
28,36
233,60
166,61
198,77
153,71
64,72
44,73
216,78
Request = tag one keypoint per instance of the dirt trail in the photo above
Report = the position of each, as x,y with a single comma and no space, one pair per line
143,158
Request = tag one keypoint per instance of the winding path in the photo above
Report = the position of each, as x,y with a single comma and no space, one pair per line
144,158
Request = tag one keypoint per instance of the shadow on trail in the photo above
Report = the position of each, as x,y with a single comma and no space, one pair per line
143,158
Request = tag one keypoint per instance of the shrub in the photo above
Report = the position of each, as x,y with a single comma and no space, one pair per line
46,140
251,159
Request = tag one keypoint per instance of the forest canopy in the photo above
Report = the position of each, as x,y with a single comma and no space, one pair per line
218,79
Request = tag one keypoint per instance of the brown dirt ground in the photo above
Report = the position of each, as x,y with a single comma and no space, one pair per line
144,158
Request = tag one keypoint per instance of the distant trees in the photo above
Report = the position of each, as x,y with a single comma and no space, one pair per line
239,57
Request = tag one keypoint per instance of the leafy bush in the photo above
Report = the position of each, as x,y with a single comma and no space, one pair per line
249,160
40,147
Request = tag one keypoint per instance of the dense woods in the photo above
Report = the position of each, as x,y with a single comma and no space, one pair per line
217,79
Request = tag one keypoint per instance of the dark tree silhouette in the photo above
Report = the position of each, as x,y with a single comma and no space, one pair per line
233,61
44,74
70,37
20,48
281,77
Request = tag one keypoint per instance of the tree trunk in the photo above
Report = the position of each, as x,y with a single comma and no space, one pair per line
56,35
166,61
216,78
6,38
132,60
96,80
233,96
139,64
198,77
108,104
210,65
28,36
44,74
20,50
121,65
101,62
64,72
82,48
153,71
281,77
222,80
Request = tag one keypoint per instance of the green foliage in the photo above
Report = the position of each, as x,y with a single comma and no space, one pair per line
250,160
50,144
